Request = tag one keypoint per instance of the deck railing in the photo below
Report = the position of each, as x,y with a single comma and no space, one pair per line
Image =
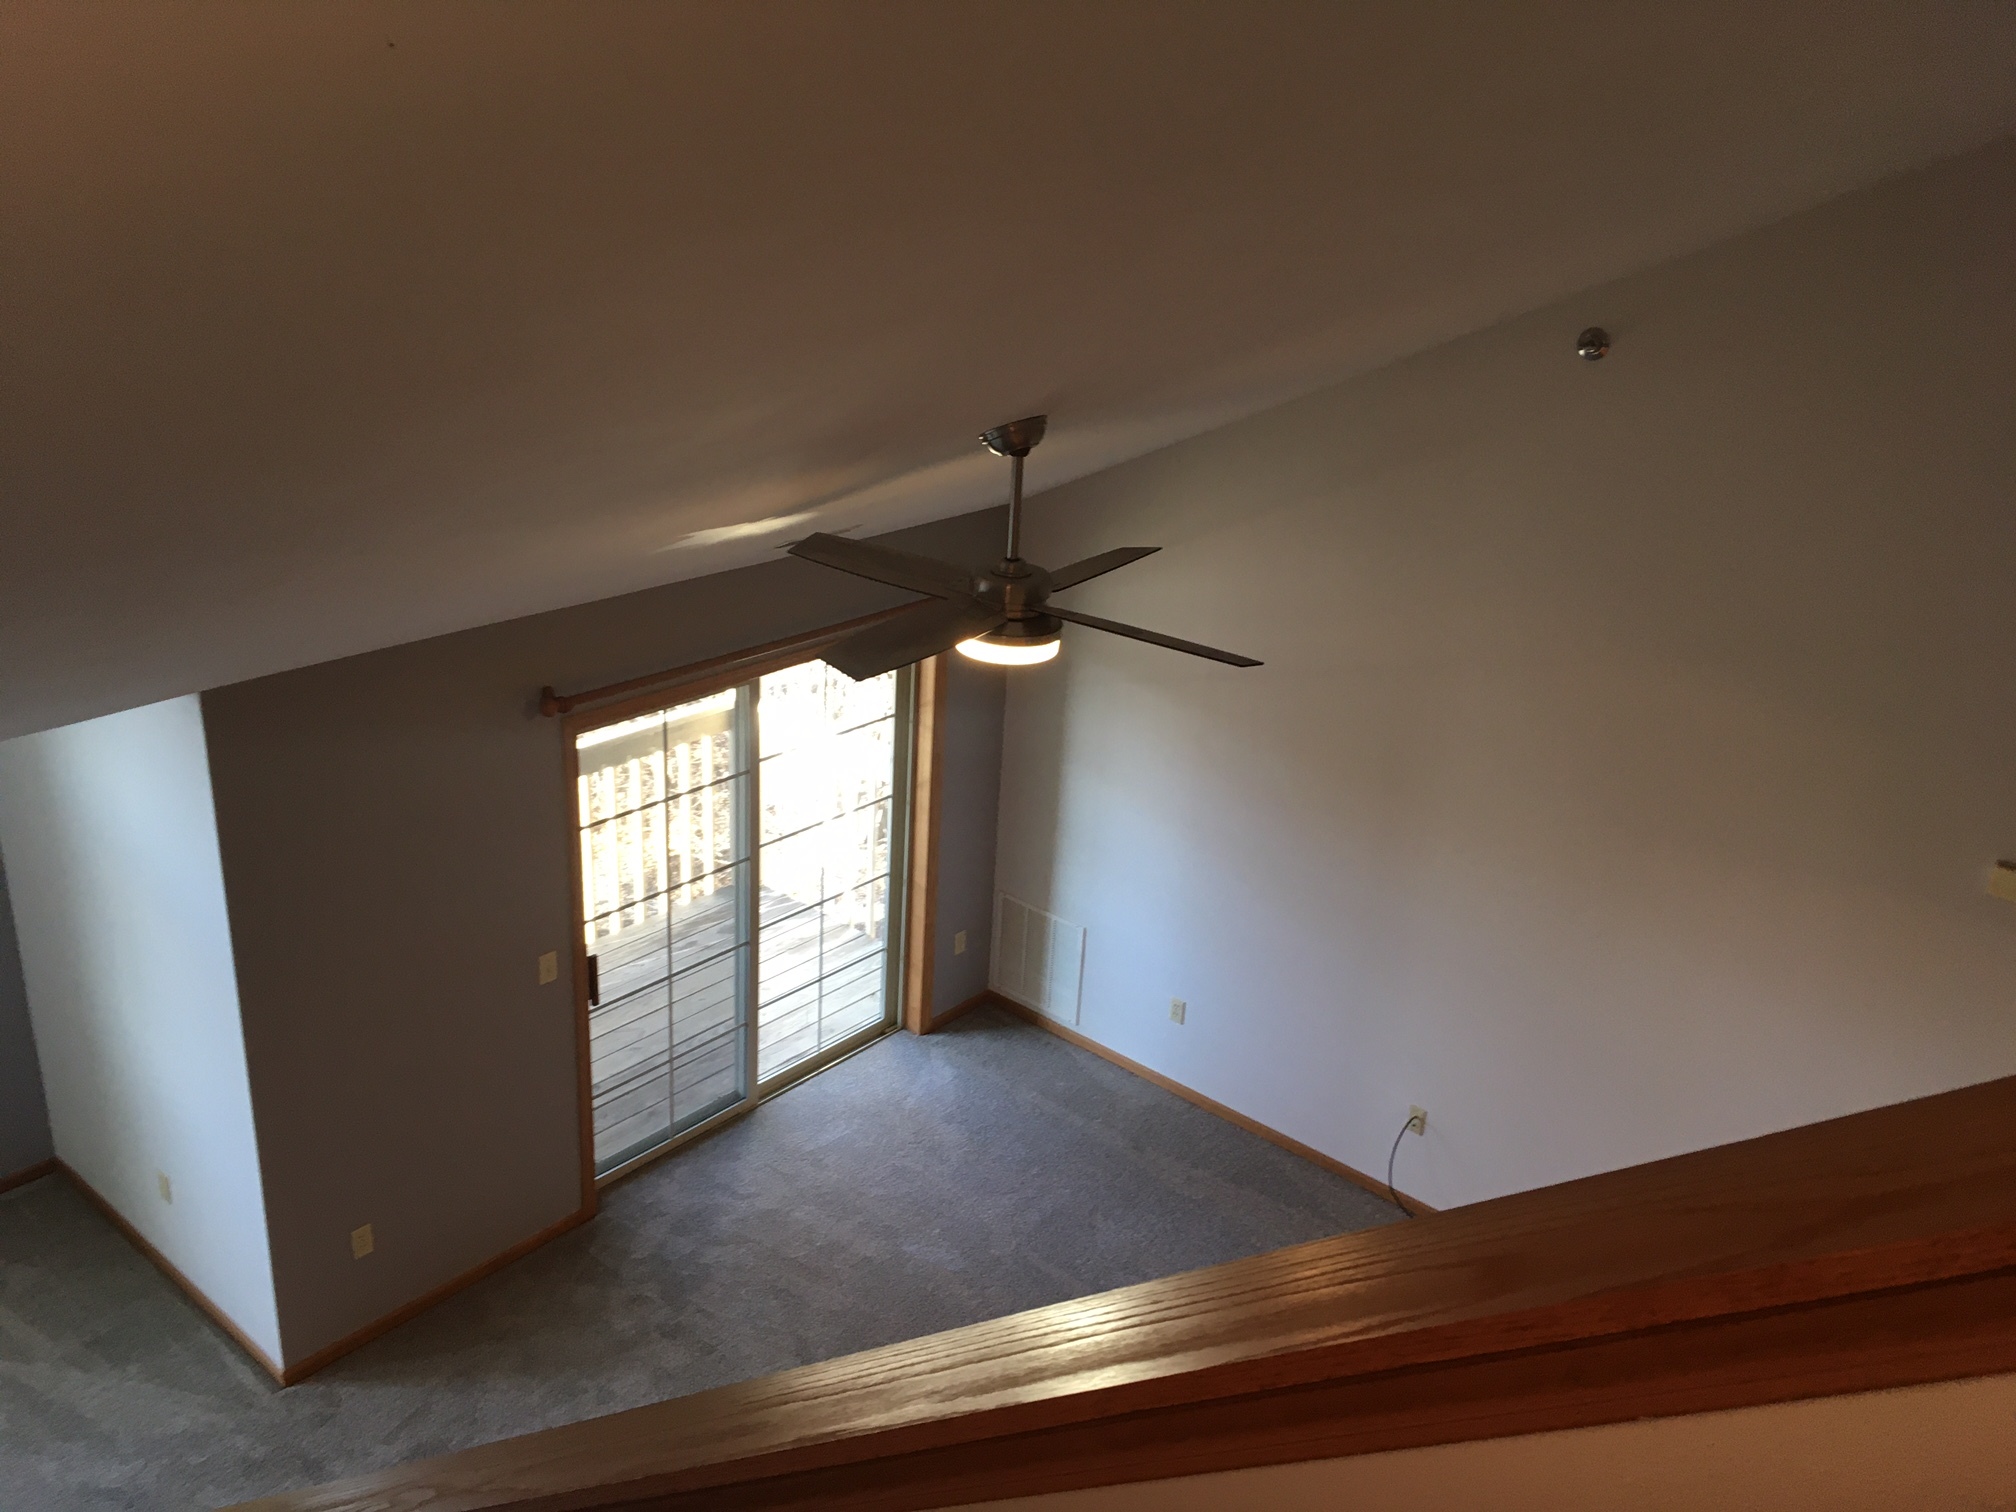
656,824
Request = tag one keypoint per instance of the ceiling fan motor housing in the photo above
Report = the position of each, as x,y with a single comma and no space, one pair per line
1018,593
1030,629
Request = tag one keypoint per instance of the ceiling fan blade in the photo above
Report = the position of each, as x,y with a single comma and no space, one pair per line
1093,566
899,569
1135,632
919,631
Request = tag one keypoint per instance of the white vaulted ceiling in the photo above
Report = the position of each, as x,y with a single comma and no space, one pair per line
332,326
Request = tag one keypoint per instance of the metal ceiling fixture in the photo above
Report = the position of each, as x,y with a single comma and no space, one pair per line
1004,616
1593,345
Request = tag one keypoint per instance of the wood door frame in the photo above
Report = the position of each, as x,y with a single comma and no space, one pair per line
927,765
667,690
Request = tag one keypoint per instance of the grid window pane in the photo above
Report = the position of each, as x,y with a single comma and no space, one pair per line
827,750
661,878
791,957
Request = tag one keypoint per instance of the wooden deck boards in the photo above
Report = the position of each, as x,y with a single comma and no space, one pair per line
664,1050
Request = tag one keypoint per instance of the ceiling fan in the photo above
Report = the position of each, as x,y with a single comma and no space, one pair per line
1004,616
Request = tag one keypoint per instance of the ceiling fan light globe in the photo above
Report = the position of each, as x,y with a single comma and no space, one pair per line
1010,652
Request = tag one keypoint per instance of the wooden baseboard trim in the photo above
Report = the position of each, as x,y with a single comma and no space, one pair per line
300,1370
27,1174
192,1291
959,1010
1190,1095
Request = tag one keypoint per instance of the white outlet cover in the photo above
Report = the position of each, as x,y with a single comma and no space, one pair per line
549,967
1178,1010
362,1242
959,943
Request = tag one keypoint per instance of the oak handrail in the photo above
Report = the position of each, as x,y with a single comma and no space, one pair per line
1873,1250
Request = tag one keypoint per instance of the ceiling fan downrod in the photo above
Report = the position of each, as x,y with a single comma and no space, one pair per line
1015,441
1027,634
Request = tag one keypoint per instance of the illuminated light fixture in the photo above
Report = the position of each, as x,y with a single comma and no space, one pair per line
1019,643
1010,653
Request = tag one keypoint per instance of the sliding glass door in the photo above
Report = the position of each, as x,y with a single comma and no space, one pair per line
828,785
739,857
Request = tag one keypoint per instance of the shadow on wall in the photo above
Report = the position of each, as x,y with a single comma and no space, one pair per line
1036,752
24,1116
968,817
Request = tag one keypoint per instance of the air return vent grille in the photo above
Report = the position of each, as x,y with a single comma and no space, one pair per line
1039,959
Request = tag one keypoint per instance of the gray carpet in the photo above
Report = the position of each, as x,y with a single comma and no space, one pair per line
920,1185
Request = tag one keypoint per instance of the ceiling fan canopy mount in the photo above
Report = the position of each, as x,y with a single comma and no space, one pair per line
1004,616
1017,438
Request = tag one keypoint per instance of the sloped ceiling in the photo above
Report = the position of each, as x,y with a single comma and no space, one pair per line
332,326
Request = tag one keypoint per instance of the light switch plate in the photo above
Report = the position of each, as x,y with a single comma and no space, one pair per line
167,1189
549,967
959,943
361,1242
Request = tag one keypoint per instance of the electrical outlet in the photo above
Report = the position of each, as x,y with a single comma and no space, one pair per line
361,1242
549,967
167,1191
1417,1120
1178,1010
959,943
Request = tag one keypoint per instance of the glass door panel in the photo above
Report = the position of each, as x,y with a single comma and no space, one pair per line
663,804
827,775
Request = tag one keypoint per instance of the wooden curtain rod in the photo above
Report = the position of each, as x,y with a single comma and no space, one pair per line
553,704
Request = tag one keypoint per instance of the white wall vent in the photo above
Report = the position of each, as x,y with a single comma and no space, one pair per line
1039,959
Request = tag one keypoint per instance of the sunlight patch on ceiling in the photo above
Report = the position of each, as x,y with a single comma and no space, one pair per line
716,535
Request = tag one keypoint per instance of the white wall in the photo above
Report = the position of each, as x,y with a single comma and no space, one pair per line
1634,736
110,843
1942,1448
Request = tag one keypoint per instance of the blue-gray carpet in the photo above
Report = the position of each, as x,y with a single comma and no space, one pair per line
920,1185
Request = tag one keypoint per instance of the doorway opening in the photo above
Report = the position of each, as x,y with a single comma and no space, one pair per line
740,892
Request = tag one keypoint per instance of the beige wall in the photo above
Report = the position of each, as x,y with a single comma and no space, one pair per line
395,832
1634,736
1943,1448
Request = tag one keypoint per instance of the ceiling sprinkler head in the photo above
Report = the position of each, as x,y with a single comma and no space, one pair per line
1593,344
1015,439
